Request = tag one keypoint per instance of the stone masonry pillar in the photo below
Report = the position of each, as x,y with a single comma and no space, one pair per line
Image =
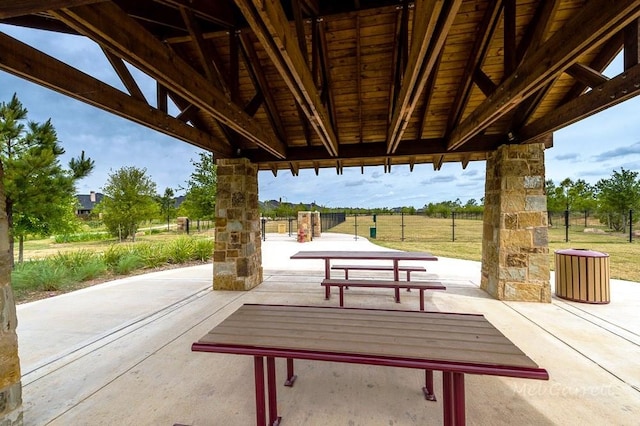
515,245
237,256
10,385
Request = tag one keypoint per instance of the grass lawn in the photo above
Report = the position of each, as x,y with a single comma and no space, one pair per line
436,235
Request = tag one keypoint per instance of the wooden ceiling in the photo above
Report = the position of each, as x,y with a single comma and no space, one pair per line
294,84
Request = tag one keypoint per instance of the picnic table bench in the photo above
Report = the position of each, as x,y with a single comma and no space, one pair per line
401,268
454,343
396,285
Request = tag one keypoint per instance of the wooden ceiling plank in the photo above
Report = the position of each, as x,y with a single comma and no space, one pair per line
359,79
509,38
26,62
202,47
125,76
484,35
258,76
269,23
234,67
15,8
581,33
159,61
538,28
218,12
397,67
426,45
613,92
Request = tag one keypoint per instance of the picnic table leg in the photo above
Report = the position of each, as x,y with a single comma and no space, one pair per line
422,299
341,296
327,275
397,290
408,279
274,420
258,370
291,377
429,394
396,277
453,399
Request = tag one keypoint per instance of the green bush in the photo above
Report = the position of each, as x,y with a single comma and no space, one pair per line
180,250
113,254
85,236
41,275
153,255
128,263
203,250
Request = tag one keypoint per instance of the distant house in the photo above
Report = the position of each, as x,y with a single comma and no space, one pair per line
86,203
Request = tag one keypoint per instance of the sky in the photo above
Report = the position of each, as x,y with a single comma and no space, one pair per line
590,150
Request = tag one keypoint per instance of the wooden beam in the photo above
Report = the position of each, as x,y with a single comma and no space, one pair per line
483,37
428,37
613,92
437,162
359,78
327,89
125,76
604,57
538,28
297,17
161,98
218,12
585,31
586,75
157,60
252,62
15,8
26,62
632,44
484,83
269,23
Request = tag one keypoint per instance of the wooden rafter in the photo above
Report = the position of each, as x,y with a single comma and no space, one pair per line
37,67
586,75
269,23
157,60
15,8
480,45
359,78
219,12
614,91
125,76
398,61
604,57
426,45
257,75
327,92
583,32
509,39
632,44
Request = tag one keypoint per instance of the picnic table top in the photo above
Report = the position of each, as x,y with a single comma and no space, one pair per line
365,255
456,342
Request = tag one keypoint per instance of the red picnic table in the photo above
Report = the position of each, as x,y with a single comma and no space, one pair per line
454,343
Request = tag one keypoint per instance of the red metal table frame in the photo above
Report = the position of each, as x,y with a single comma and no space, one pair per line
456,344
394,256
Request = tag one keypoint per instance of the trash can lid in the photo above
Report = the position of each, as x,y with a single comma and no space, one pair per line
582,252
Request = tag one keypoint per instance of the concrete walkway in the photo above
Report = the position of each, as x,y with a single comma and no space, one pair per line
119,353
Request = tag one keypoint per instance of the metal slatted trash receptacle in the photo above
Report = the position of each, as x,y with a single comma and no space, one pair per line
582,275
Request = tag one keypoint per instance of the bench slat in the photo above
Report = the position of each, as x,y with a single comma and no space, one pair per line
403,268
396,285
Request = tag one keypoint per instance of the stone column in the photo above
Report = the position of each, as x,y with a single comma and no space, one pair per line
305,233
237,256
10,385
515,245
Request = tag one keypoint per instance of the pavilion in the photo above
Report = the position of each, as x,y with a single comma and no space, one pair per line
309,84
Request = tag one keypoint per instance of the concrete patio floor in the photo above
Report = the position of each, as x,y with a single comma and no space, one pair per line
119,353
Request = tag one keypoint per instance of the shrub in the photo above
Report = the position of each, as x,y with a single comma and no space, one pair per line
203,249
41,275
127,263
180,250
152,255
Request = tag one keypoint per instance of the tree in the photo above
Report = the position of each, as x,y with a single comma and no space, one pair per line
200,199
39,192
167,205
129,199
616,196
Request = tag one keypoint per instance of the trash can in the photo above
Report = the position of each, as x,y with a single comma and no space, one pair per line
582,276
372,231
282,228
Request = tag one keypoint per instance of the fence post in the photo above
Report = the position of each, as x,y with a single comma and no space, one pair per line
453,225
290,220
630,225
402,226
264,228
566,226
355,218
